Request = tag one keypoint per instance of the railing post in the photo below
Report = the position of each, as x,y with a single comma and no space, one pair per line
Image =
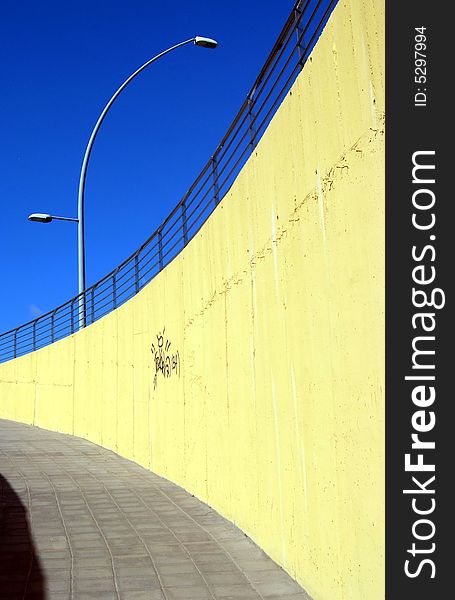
216,187
15,344
184,224
72,316
299,28
34,335
92,297
114,290
52,327
251,127
160,248
136,273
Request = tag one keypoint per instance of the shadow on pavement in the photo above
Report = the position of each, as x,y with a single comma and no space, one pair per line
21,576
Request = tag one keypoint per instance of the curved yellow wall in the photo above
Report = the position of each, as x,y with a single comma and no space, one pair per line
268,404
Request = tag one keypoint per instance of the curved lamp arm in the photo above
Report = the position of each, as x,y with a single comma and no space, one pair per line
199,41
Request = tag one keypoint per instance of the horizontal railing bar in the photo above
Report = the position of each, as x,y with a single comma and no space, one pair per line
190,213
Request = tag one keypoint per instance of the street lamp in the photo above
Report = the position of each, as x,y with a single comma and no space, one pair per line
203,42
45,218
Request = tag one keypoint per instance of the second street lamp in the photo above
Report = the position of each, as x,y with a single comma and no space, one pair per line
45,218
203,42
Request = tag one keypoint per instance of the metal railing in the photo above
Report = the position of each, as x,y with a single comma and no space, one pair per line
280,70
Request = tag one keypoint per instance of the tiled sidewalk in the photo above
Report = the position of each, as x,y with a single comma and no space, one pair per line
79,522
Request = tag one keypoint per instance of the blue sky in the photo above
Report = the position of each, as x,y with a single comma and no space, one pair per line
60,64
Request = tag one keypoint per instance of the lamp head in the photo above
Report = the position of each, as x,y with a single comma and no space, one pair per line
205,42
40,218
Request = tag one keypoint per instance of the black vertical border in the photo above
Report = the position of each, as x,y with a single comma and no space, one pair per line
410,129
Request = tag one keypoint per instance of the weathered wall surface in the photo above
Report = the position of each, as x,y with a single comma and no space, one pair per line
268,404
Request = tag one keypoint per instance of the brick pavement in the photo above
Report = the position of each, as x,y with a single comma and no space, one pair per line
79,522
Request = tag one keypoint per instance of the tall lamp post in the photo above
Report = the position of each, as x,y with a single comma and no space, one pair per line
198,40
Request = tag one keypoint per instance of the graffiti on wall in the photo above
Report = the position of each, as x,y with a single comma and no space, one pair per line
166,361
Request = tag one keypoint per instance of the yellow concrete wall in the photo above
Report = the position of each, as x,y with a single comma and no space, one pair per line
276,414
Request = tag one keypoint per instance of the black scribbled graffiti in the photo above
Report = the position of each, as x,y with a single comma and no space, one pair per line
166,362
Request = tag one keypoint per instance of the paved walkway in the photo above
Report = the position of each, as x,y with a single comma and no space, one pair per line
79,522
